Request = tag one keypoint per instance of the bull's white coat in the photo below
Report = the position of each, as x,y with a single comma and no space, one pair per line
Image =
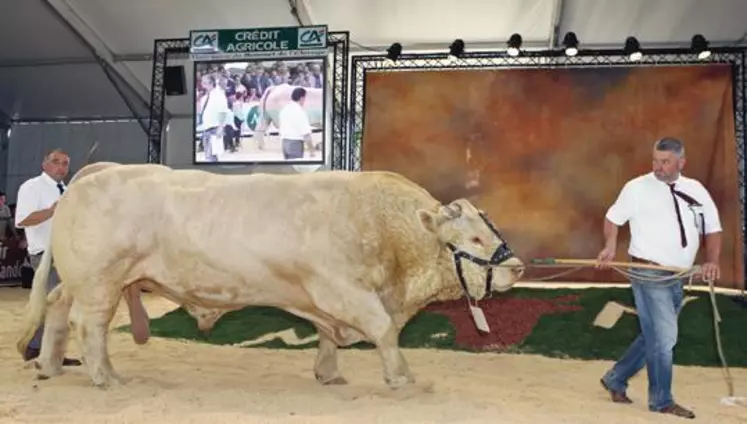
356,253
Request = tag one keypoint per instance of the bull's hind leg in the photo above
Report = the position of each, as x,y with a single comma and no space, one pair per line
93,315
261,130
55,337
325,367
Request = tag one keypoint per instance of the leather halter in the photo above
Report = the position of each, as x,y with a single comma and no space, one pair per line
501,254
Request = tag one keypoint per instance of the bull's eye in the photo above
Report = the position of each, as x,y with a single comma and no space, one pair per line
476,240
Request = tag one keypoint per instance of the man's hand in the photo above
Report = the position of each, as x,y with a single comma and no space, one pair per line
37,217
710,271
605,256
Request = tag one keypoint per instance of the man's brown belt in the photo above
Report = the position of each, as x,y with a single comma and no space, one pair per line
643,261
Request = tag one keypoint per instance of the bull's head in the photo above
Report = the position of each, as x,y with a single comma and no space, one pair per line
482,259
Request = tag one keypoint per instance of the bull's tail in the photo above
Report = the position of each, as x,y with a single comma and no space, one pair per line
37,304
264,119
263,101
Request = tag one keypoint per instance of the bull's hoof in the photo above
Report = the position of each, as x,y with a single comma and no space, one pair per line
331,381
46,370
399,381
107,381
338,381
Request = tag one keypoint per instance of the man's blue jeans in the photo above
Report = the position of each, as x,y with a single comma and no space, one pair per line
658,305
52,282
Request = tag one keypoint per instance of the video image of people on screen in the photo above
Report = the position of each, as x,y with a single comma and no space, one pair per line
260,111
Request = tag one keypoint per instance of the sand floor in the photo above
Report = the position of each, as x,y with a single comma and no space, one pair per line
178,382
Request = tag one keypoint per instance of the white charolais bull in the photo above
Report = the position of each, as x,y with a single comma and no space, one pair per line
356,253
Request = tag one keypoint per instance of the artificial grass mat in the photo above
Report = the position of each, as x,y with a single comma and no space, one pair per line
561,334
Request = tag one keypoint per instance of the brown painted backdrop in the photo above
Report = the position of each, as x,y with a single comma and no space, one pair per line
545,152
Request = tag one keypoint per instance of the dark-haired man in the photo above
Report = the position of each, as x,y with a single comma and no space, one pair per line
35,204
668,214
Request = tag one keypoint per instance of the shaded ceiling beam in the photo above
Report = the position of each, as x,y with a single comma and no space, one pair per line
31,120
5,120
68,16
557,18
61,61
58,61
302,12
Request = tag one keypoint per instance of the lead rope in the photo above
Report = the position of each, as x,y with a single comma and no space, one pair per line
628,274
689,274
730,399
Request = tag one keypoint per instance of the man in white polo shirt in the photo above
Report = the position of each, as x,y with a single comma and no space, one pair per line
35,204
294,128
212,118
665,229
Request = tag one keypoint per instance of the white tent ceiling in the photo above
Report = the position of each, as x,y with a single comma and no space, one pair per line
48,69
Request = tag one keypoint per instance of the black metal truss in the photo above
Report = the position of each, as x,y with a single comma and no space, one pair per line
161,50
337,41
736,57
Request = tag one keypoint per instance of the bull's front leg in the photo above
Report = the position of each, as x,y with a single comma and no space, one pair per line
396,371
364,311
325,367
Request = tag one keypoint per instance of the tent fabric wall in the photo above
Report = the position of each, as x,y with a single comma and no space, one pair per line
118,141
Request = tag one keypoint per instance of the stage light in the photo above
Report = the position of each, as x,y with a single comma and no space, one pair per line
394,51
514,44
633,48
571,44
456,49
700,46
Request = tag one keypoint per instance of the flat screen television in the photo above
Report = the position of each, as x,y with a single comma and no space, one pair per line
238,107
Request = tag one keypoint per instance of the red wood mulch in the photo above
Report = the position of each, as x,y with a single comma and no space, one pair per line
510,319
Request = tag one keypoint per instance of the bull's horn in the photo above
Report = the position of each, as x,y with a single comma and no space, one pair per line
453,210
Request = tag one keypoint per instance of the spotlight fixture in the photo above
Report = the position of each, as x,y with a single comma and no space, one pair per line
633,48
571,44
514,44
394,51
700,46
456,49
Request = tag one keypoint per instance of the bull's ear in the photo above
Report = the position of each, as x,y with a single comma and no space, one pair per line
428,220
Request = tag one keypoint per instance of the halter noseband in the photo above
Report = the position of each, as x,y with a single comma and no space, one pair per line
501,254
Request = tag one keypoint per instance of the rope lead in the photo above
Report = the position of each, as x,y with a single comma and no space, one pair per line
677,274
